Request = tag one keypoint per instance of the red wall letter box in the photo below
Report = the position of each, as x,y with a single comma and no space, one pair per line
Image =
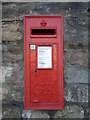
43,62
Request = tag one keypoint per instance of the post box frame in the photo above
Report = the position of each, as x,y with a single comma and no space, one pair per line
27,103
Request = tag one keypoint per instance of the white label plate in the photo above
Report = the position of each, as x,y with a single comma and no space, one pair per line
44,57
32,47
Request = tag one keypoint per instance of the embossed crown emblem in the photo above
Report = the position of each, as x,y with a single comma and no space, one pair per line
43,23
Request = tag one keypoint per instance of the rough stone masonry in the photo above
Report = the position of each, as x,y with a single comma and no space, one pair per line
75,58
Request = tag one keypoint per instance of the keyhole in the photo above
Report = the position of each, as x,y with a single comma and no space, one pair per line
36,71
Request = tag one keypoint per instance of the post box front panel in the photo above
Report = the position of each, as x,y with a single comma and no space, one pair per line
44,80
43,63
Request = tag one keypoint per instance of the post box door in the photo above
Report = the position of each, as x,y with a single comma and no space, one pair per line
43,66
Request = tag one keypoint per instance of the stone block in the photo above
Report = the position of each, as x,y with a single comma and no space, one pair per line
11,57
12,32
13,112
70,111
6,72
76,57
16,11
15,47
13,81
35,114
76,41
4,93
77,93
75,74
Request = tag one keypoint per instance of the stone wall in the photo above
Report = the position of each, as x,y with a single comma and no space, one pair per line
75,58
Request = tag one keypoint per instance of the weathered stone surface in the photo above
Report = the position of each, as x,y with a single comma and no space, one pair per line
4,93
15,47
71,111
26,114
11,112
0,113
0,94
87,112
76,57
6,72
18,10
15,11
12,58
12,93
76,93
11,32
88,109
75,19
12,73
75,35
35,114
75,74
6,1
76,42
13,82
17,95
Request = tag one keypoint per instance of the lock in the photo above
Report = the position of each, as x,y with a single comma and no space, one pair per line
43,63
35,71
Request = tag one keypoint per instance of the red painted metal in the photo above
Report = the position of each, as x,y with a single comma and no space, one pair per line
43,88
